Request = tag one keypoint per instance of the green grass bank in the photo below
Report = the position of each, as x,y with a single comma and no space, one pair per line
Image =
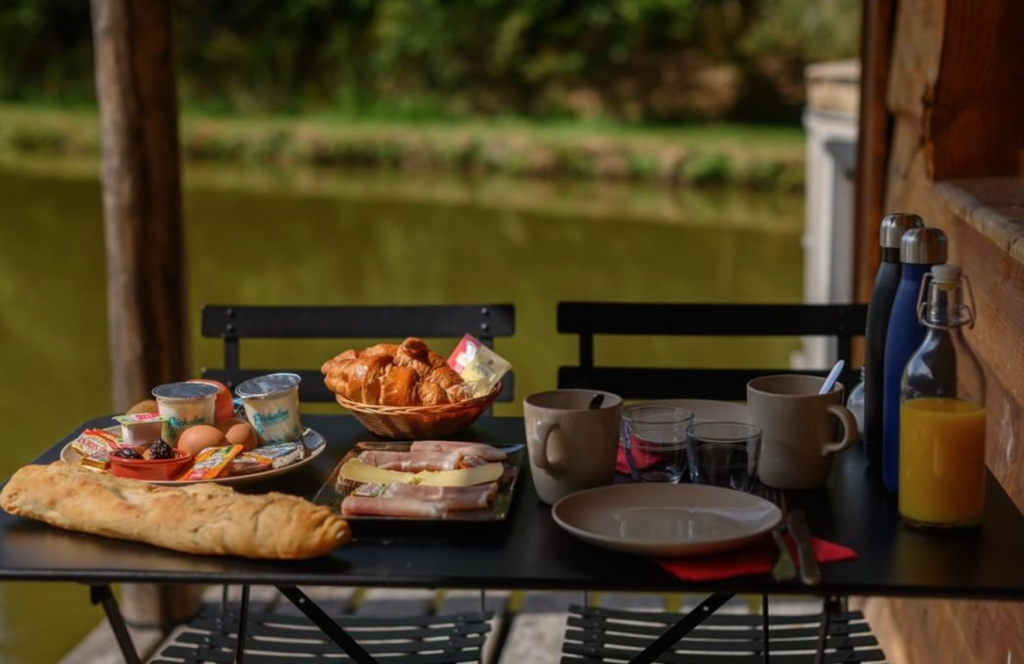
756,157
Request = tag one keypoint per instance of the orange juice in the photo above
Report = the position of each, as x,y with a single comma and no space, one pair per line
942,461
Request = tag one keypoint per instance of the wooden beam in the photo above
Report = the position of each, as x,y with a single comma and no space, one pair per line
133,42
136,90
976,120
873,141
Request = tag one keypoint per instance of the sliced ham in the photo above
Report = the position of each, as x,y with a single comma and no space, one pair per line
405,507
452,497
411,462
486,452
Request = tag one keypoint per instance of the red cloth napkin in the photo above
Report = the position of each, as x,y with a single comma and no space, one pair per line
757,558
641,458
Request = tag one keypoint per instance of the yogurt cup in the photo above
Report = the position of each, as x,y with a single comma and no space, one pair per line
185,405
271,405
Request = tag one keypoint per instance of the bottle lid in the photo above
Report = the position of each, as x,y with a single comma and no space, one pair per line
895,225
923,246
948,273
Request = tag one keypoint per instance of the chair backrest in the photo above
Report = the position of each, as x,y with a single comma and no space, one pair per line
234,323
587,319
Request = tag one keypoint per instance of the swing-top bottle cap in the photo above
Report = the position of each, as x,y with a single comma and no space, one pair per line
895,225
948,273
923,246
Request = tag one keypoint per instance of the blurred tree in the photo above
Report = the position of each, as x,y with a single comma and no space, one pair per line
651,60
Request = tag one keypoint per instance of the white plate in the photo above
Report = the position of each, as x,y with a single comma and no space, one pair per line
705,410
314,442
666,519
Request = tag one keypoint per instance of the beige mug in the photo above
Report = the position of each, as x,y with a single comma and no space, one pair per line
799,429
571,446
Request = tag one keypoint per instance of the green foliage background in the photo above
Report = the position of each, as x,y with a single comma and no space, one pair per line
634,60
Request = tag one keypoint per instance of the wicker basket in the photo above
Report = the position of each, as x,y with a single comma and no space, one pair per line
420,421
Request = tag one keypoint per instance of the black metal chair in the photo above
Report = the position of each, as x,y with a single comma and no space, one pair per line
597,635
587,319
453,638
272,638
233,323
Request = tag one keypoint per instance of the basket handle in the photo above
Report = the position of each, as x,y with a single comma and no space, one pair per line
540,446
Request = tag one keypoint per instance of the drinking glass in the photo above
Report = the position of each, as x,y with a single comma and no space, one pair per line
724,454
654,441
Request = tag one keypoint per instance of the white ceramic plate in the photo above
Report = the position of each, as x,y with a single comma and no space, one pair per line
666,519
705,410
314,442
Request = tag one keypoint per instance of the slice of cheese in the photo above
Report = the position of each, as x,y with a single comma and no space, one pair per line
463,477
357,471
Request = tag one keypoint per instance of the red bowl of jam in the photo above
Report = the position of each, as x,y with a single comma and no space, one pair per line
153,470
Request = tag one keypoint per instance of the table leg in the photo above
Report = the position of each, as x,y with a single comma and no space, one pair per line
327,625
681,629
766,647
103,596
832,607
243,626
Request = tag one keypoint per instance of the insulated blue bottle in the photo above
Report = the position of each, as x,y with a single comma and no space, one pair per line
920,249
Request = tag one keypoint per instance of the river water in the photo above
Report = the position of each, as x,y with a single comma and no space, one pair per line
265,236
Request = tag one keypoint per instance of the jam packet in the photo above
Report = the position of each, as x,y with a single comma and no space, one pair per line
478,365
211,462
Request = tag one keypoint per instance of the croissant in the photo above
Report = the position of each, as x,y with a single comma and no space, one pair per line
398,387
406,374
432,394
380,349
330,364
444,376
359,379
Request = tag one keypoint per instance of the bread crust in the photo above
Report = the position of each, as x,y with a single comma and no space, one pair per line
205,519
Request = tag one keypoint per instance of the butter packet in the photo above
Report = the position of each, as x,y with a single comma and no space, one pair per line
141,429
98,463
266,458
96,443
211,462
478,365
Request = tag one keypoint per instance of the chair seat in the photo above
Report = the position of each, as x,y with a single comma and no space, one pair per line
596,636
274,638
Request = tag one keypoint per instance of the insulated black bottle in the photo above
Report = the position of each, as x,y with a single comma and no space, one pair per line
879,308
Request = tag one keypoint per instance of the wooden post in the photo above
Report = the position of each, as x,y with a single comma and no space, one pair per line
873,142
136,90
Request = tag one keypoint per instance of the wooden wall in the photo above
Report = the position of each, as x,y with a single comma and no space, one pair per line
956,99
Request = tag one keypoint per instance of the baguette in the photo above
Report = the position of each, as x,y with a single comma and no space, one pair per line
199,518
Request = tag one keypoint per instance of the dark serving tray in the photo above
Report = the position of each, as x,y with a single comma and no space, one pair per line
467,522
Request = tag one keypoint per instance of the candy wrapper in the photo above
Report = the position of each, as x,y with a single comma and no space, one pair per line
478,365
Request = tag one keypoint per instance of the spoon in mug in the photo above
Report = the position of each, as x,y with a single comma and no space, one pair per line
596,402
833,376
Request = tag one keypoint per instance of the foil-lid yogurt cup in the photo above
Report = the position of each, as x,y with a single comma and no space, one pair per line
271,405
185,405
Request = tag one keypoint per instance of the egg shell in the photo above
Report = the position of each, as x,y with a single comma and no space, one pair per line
242,434
196,439
225,425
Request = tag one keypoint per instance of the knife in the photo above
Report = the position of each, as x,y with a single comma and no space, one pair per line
784,569
810,574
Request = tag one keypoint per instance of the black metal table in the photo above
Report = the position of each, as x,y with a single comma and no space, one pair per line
532,552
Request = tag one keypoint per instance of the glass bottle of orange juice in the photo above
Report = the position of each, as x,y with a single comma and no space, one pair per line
942,412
